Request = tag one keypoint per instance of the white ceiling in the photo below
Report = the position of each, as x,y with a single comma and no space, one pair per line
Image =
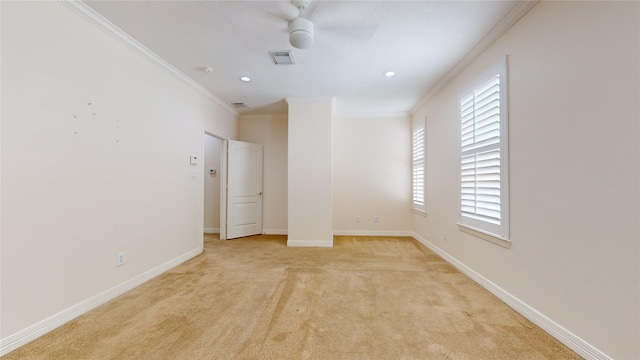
355,43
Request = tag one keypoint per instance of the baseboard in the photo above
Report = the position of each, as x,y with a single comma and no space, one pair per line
32,332
275,231
563,335
371,233
212,230
345,232
310,243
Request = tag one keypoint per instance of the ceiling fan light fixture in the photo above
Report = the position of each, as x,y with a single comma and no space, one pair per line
300,33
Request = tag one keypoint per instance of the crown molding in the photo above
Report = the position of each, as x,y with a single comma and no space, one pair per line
264,116
355,115
366,115
105,25
292,99
505,24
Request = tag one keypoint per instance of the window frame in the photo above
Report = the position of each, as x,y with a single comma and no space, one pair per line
419,125
477,226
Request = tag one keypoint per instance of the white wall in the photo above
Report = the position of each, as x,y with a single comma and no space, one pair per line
574,161
371,158
211,160
370,177
271,132
95,160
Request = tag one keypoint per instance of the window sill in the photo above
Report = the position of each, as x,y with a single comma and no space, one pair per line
419,212
485,236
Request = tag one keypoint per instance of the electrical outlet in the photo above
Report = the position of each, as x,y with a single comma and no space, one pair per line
120,259
376,219
357,218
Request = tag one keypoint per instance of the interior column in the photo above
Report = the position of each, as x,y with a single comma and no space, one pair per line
310,217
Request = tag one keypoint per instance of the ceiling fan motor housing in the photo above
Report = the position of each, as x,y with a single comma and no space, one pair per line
301,4
300,33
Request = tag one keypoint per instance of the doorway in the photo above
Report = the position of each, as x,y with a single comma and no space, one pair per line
214,174
211,178
232,197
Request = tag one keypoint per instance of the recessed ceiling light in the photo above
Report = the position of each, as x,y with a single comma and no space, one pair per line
245,78
389,74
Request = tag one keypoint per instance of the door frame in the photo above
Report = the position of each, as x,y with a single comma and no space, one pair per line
223,182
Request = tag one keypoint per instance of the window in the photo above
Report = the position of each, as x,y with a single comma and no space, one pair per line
484,203
418,166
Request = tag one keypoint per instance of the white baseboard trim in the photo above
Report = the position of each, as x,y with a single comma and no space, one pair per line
345,232
371,233
563,335
275,231
212,230
310,243
34,331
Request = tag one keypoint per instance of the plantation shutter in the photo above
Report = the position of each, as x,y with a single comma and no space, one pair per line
418,165
480,153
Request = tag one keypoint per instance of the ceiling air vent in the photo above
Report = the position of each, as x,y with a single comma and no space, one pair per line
282,57
240,105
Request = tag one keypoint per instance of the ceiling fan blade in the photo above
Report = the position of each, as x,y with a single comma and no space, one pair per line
351,20
284,10
362,32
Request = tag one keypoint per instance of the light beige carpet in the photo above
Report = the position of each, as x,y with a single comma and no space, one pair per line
255,298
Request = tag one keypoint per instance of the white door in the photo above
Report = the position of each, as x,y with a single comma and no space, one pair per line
244,200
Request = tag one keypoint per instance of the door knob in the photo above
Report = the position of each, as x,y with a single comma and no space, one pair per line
260,193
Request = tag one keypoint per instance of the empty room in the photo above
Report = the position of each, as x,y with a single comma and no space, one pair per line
320,179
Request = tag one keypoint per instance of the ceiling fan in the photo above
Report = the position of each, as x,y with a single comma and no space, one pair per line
301,29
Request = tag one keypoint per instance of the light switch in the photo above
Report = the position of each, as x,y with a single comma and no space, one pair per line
194,174
193,160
